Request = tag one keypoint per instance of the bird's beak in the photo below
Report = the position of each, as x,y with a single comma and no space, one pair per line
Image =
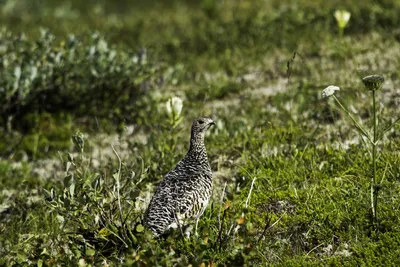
210,124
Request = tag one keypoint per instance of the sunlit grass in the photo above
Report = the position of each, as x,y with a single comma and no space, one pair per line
292,179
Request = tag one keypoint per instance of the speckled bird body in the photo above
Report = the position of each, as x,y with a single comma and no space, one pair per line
184,192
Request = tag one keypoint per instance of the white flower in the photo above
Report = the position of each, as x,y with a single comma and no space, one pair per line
174,106
330,90
17,72
82,262
342,17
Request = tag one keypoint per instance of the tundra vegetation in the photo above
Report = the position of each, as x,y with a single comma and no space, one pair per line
96,102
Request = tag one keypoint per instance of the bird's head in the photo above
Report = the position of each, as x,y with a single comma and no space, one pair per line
201,125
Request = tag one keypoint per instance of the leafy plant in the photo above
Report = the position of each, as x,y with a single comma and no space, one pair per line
373,83
80,76
96,211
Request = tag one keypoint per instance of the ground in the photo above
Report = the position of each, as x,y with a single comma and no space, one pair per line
86,135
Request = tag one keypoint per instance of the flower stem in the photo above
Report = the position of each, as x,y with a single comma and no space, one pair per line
358,126
374,192
341,30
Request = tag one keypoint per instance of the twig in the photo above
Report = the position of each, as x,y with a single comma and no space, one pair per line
266,228
118,185
289,66
314,248
230,230
227,235
220,230
248,197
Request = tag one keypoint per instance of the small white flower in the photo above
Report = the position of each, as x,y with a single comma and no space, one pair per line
17,72
33,72
174,106
328,249
102,46
82,262
342,17
330,90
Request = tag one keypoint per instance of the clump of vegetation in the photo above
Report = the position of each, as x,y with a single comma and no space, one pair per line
83,77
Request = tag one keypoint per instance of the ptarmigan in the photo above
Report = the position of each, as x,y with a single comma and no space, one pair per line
183,194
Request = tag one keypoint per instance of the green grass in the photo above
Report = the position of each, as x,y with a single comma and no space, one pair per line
258,69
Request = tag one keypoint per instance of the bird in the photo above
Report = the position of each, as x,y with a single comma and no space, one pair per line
184,192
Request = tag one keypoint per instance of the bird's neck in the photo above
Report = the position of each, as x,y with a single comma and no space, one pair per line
197,148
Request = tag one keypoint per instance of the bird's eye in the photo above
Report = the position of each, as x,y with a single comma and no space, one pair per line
201,121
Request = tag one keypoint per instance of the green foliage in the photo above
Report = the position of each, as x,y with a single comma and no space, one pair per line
95,211
82,77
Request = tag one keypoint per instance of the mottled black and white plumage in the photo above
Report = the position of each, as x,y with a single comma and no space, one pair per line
184,192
